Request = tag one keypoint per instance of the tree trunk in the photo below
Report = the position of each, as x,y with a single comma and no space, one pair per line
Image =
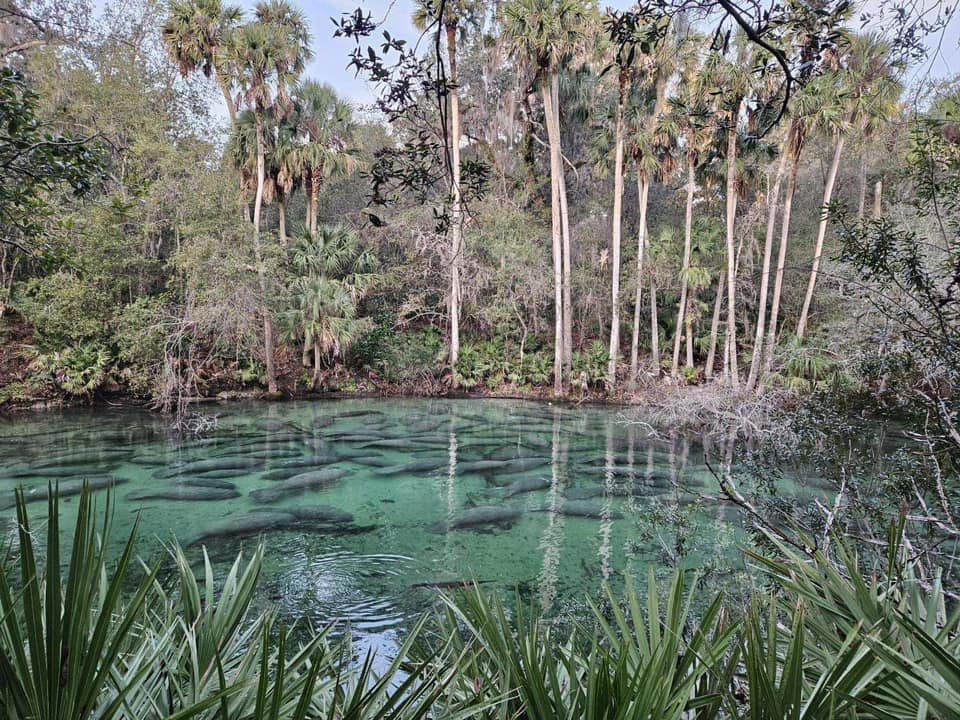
231,107
731,254
684,270
316,365
688,321
877,199
258,256
617,212
862,199
456,219
565,230
654,329
282,220
715,328
771,339
643,193
821,235
773,199
557,240
314,206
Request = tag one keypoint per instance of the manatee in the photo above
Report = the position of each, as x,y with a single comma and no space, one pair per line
582,509
56,471
245,525
524,485
67,488
297,484
305,462
322,421
512,452
319,514
417,466
287,473
377,461
184,492
358,413
83,458
484,515
480,465
207,467
209,483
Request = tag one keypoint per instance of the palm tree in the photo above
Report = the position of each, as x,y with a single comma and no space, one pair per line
335,273
868,91
545,33
269,54
647,142
196,34
456,14
324,129
696,133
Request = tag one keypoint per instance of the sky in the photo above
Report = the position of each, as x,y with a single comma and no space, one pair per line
330,60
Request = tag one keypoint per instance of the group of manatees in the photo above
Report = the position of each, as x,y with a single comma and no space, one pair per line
532,464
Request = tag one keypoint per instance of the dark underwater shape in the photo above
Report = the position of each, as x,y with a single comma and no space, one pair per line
68,488
184,493
484,515
297,484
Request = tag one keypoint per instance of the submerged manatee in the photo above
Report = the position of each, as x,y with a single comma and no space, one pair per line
519,487
297,484
583,509
211,468
184,492
209,483
484,515
67,488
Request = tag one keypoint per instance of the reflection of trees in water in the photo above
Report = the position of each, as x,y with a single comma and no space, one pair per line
552,539
606,521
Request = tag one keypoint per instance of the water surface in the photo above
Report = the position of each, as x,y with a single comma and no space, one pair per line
366,505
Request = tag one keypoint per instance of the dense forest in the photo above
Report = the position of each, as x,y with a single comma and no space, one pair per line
185,212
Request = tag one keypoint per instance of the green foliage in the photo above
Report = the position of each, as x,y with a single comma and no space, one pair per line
85,635
398,355
590,366
77,370
36,160
141,333
65,309
807,366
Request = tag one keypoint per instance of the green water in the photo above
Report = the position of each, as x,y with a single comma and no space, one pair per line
400,495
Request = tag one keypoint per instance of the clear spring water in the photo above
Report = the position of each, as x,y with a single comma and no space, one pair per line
366,505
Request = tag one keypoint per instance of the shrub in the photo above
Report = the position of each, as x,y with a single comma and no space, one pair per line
64,310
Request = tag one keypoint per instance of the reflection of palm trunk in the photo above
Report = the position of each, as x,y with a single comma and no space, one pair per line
552,539
606,521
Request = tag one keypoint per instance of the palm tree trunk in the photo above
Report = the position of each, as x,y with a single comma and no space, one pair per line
565,228
615,241
643,193
688,322
231,106
862,199
821,235
258,256
282,220
557,240
773,199
731,254
715,328
456,220
654,329
316,364
684,270
314,206
771,339
878,199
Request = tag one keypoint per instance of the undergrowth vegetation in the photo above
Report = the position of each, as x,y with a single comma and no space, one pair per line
87,635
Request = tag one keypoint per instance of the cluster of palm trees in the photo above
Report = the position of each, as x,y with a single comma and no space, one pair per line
285,134
689,114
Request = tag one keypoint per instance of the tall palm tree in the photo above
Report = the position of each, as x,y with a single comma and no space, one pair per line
545,34
269,55
196,34
457,14
324,130
868,92
690,115
647,142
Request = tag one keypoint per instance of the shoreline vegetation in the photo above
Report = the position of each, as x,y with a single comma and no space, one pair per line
124,639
